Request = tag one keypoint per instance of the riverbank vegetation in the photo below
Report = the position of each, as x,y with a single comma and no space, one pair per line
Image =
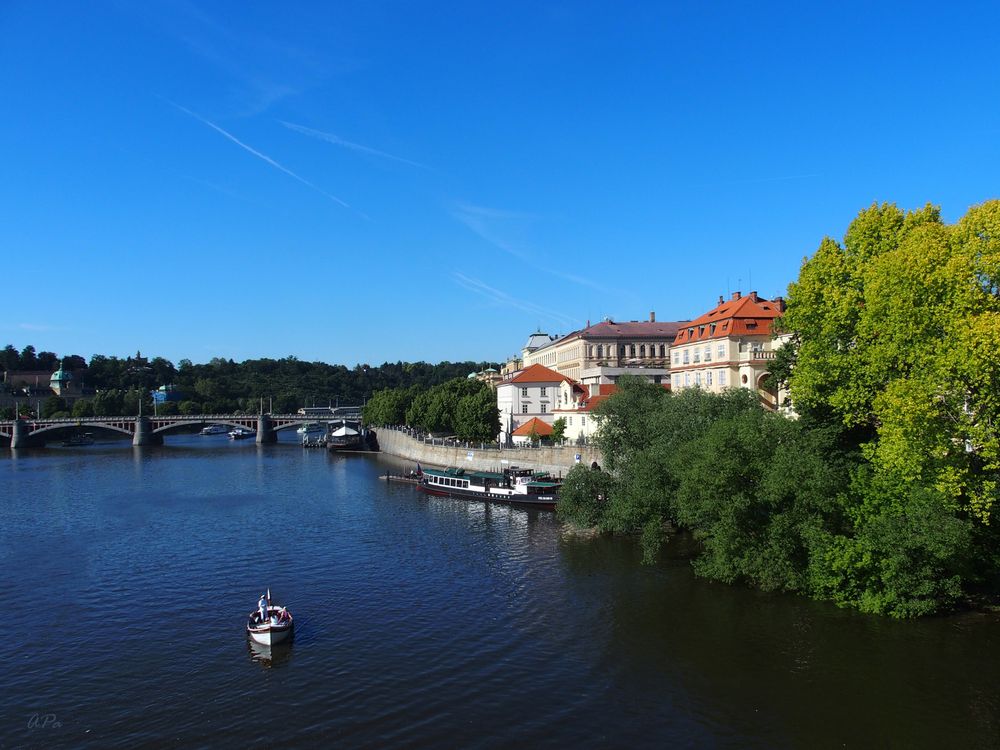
882,495
113,385
463,407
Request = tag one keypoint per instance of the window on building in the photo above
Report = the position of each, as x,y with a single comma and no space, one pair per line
677,381
677,358
721,351
708,353
524,392
697,378
708,378
722,377
583,421
545,391
600,350
544,408
687,378
697,355
569,421
524,408
642,350
686,356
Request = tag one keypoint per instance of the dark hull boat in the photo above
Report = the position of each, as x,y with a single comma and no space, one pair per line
512,486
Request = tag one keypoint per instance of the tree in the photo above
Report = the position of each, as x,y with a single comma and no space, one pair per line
583,495
477,417
898,332
52,405
10,360
47,361
28,360
559,430
83,408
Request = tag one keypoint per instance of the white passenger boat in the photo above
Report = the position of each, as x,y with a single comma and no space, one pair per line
214,429
275,628
241,433
311,427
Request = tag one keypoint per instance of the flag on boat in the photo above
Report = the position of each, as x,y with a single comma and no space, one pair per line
419,470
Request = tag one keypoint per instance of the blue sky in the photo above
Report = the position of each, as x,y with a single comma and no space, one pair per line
425,181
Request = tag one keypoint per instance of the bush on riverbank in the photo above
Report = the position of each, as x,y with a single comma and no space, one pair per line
779,504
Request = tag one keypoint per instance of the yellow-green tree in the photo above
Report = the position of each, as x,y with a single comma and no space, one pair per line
899,334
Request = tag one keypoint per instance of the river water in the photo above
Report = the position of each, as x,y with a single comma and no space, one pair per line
127,575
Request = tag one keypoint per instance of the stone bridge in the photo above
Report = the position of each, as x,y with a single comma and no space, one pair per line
144,430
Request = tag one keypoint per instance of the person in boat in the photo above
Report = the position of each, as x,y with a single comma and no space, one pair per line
262,606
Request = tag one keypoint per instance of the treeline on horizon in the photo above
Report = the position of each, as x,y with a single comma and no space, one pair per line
113,386
883,494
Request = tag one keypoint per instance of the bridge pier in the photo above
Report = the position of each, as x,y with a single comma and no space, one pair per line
144,434
19,436
265,433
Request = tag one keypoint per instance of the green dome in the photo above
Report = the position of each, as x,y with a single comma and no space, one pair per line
60,376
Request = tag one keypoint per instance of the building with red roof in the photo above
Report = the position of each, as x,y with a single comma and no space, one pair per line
601,353
533,428
729,346
531,393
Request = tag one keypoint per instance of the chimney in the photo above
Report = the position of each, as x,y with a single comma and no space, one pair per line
721,300
779,302
737,295
652,316
753,296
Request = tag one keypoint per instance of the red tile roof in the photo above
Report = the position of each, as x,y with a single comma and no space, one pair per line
539,374
739,316
609,329
542,429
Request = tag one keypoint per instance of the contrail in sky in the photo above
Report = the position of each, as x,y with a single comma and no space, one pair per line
337,140
502,298
259,155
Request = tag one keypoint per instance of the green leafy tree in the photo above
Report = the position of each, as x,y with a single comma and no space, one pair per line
559,430
51,406
477,417
83,408
583,495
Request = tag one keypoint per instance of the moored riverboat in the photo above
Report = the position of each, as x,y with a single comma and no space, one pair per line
214,429
514,486
240,433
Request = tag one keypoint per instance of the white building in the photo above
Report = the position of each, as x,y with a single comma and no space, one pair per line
532,392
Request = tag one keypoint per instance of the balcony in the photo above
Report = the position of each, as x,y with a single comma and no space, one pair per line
756,356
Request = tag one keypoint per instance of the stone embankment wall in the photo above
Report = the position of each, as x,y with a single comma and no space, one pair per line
556,459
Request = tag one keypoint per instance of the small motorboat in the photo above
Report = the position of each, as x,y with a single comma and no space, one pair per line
275,628
78,439
240,433
311,428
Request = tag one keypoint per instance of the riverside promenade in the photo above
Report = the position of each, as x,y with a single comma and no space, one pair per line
404,443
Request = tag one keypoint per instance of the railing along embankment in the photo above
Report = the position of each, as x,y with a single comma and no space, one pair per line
411,445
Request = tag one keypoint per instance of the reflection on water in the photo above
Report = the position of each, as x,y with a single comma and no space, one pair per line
423,622
270,657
